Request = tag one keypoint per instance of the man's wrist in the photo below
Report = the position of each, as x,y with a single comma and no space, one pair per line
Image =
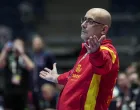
96,53
56,78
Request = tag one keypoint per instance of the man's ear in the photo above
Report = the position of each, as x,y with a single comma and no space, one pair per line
104,29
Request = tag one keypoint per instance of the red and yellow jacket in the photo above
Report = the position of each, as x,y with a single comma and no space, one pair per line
89,85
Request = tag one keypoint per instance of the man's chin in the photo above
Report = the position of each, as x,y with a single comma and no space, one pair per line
84,37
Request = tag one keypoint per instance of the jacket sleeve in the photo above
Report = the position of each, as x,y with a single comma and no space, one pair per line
62,78
103,59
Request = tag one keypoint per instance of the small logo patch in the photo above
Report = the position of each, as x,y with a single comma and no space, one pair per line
78,69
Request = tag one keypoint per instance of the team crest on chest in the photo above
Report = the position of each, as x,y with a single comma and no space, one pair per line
78,68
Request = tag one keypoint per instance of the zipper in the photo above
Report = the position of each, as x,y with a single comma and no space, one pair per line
77,64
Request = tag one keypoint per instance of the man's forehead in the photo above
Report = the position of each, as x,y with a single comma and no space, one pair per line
89,14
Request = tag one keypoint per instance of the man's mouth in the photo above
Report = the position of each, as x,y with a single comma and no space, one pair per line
84,31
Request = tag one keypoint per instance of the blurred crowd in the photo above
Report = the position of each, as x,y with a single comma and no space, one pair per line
22,56
22,86
126,94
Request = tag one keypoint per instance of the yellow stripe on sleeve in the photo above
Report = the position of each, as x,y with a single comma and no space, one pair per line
113,55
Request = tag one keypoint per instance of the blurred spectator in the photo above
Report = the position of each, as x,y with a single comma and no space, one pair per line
26,12
49,95
132,68
28,18
5,35
31,13
33,7
115,96
16,65
41,59
134,81
133,78
137,103
124,90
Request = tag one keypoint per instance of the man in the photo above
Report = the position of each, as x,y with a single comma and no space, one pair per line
89,85
16,65
124,98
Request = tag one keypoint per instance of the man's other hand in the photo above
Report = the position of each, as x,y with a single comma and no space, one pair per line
50,75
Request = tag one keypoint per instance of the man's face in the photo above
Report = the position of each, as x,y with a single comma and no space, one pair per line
37,44
90,27
123,81
20,44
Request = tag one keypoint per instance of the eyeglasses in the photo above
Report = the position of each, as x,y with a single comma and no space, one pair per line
90,21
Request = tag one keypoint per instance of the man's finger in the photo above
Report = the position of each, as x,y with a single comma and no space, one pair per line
87,47
91,43
102,38
42,75
97,43
43,72
54,66
48,70
96,39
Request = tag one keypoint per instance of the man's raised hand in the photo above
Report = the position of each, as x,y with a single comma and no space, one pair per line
94,43
50,75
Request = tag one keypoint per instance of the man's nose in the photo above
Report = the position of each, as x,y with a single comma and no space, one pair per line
84,24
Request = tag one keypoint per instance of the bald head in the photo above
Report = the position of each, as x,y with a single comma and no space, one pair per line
100,15
96,21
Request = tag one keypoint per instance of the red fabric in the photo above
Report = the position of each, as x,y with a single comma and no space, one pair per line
77,80
62,79
30,97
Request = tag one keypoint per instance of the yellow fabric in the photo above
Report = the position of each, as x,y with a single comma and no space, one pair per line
113,55
92,93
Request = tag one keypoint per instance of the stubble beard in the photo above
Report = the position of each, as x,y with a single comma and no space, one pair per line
84,37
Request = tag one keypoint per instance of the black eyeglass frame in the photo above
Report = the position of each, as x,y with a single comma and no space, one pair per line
90,20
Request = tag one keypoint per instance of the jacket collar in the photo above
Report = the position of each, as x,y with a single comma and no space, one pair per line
106,41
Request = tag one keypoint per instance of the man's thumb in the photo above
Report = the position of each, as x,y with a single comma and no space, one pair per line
54,66
103,37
